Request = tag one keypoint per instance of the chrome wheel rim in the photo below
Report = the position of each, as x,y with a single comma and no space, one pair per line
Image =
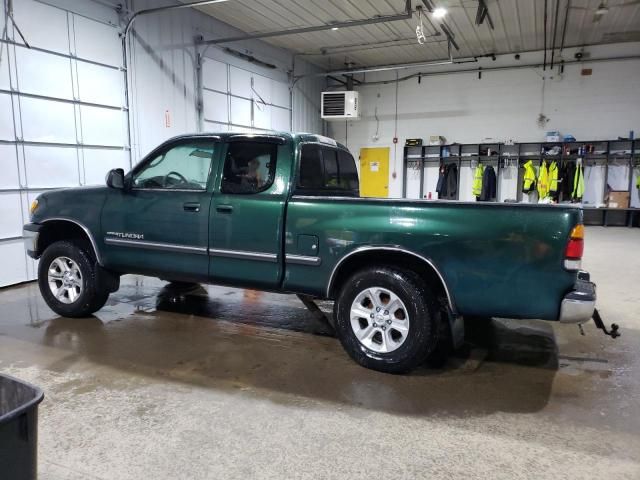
65,280
379,319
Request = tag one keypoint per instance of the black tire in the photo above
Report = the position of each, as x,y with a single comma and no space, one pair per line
422,309
93,295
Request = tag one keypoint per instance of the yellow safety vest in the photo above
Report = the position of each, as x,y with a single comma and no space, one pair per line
477,180
578,183
553,177
529,177
543,181
638,181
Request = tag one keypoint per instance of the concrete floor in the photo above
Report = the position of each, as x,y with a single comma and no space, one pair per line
242,384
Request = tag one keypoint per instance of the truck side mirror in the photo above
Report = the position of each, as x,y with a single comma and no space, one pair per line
115,178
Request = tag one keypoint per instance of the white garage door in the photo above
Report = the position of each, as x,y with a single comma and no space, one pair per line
236,99
63,122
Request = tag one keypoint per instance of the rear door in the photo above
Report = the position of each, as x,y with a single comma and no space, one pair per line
247,212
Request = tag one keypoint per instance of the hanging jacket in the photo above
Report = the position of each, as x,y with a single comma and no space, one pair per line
529,183
553,180
476,186
451,182
567,175
638,181
488,192
543,181
578,183
441,185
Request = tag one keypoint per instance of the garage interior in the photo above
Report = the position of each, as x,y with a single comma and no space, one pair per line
218,382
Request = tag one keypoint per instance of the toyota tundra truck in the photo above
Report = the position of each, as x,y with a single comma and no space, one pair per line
282,212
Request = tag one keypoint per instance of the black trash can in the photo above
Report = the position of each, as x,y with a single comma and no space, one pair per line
18,429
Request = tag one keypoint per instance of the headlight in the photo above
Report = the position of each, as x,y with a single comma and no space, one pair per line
33,207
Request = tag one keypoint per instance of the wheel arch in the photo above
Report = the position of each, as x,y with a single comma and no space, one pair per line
59,228
394,256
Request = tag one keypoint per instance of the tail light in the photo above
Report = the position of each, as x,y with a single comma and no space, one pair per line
575,249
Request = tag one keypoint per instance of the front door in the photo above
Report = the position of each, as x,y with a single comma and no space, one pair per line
160,225
247,213
374,172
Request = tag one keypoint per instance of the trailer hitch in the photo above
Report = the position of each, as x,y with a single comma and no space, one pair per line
597,319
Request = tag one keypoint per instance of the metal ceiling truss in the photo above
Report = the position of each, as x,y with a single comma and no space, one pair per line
443,26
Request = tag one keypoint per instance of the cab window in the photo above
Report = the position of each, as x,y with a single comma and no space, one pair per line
182,167
325,171
249,167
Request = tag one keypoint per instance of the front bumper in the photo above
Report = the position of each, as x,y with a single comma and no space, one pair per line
30,234
578,305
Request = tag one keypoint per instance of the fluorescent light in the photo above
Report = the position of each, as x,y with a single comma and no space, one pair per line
439,12
334,28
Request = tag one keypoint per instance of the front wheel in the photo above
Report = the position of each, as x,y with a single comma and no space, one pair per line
68,278
387,319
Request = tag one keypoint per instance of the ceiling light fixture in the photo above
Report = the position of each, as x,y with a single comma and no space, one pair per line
602,9
439,12
335,28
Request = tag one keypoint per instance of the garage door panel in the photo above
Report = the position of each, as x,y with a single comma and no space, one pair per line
44,74
102,126
48,121
10,215
240,111
215,106
13,263
42,25
214,75
6,120
9,178
280,94
5,83
262,88
51,167
240,82
280,119
98,162
101,85
262,116
215,127
97,41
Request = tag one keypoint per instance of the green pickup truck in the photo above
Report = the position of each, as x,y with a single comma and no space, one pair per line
282,212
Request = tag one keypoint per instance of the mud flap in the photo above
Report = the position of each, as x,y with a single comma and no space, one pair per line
315,310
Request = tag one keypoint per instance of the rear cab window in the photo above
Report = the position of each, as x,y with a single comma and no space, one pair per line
323,170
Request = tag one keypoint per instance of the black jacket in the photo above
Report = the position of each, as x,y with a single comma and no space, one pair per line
447,187
488,185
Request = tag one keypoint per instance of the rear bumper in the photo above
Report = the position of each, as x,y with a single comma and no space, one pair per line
578,305
30,234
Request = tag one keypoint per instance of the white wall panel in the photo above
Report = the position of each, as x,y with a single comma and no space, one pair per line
101,126
214,75
240,111
215,106
47,121
44,74
51,166
97,41
6,119
9,176
13,263
5,83
102,85
262,116
10,215
280,119
262,88
44,26
593,184
98,162
240,82
280,94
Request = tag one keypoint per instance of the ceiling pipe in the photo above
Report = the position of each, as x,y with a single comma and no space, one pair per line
407,14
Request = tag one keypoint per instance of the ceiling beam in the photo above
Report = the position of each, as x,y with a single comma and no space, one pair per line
407,14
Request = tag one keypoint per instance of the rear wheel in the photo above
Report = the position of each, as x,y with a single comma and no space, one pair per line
68,278
387,319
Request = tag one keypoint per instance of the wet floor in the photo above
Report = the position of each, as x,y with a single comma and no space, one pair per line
214,382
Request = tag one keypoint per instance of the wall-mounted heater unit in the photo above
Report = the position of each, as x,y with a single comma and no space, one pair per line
340,106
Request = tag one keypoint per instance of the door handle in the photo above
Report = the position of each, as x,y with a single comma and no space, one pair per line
224,208
191,207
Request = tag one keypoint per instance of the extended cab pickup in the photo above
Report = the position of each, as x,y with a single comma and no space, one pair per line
282,212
